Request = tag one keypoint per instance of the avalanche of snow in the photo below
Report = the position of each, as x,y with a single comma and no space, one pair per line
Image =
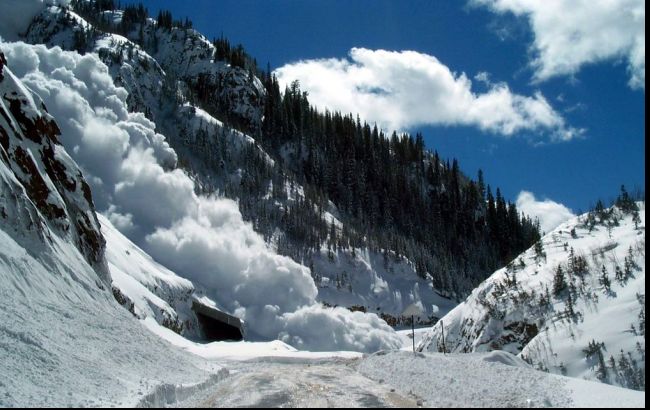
183,54
129,166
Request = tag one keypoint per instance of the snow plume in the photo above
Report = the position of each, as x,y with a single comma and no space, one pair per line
571,33
132,173
313,328
17,14
400,90
550,214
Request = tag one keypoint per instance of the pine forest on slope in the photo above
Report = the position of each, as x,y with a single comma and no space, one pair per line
381,184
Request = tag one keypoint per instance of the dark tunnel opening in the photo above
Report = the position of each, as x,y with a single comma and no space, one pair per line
217,331
216,325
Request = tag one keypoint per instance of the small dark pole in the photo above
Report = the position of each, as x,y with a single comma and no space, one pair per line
413,327
444,348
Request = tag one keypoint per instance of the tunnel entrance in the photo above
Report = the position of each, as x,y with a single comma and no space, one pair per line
217,325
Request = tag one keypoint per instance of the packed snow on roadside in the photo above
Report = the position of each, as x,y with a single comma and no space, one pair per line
496,379
243,350
64,342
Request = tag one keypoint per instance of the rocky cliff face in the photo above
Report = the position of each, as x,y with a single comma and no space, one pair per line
155,59
42,191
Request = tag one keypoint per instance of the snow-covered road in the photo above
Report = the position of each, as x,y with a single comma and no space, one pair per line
329,383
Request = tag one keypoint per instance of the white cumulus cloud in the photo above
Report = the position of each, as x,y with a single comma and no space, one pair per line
131,170
571,33
400,90
550,213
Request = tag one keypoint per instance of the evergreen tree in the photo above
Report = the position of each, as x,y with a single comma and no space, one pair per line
539,251
625,203
559,282
636,219
604,280
619,275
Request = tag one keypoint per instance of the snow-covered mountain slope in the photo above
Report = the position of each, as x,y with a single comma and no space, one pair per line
64,340
176,56
146,288
574,304
161,84
161,81
373,282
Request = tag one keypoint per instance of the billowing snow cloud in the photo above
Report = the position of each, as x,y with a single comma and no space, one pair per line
358,330
550,214
571,33
400,90
131,170
17,14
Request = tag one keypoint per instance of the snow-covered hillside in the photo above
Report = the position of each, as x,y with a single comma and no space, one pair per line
146,288
373,282
64,340
174,56
573,304
41,183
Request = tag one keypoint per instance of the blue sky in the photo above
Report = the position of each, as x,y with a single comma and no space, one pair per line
595,96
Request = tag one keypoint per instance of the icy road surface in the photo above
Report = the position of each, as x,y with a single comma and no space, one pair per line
330,383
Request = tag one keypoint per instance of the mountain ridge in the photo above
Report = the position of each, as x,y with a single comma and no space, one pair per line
274,176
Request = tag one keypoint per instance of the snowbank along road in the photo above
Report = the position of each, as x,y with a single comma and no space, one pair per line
404,379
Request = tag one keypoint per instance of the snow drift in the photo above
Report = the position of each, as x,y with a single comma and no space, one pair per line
131,170
488,380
